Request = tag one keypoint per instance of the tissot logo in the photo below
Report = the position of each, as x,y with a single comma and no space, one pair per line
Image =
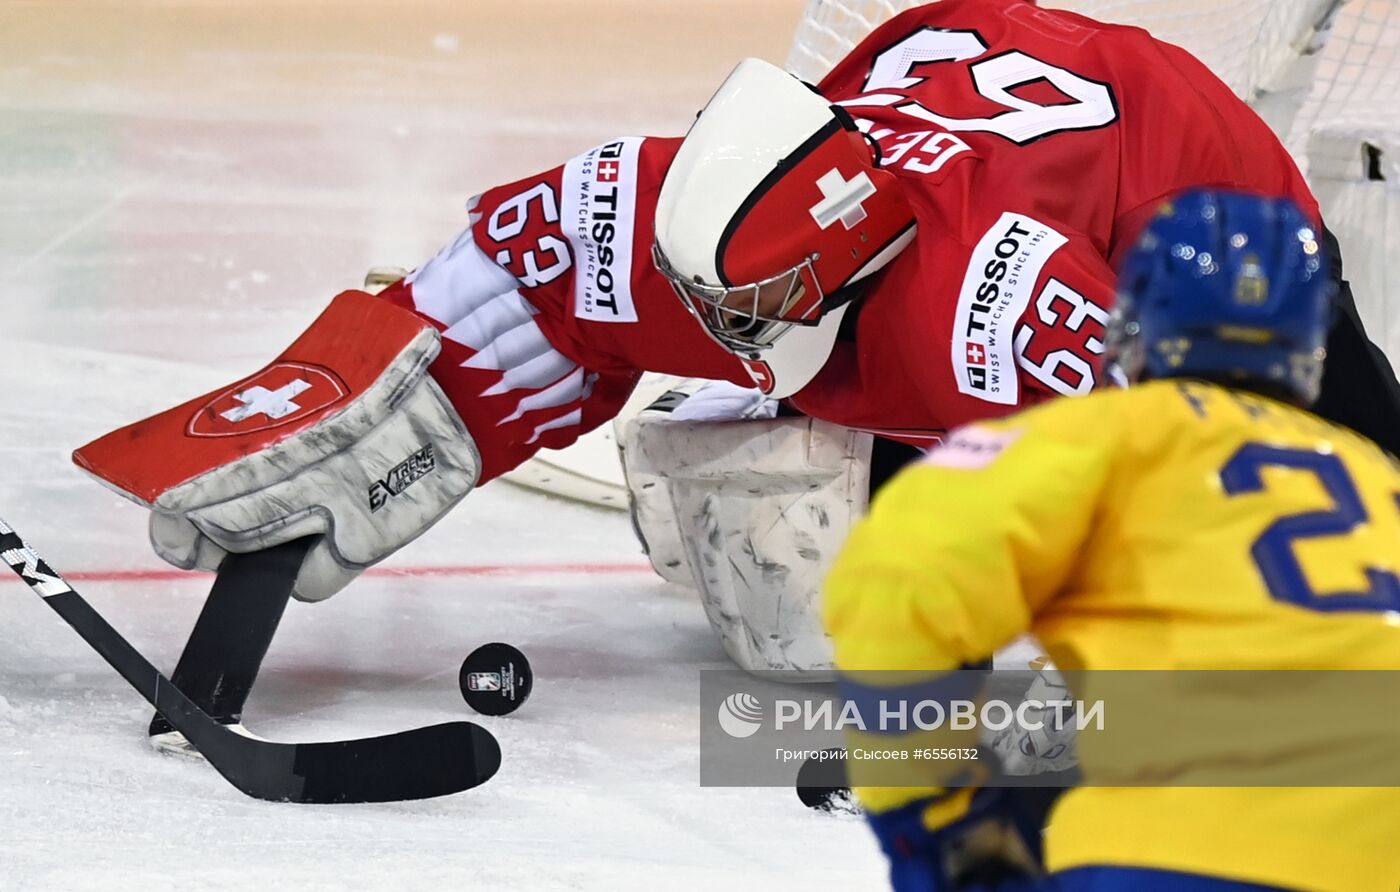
598,209
281,394
1001,274
604,229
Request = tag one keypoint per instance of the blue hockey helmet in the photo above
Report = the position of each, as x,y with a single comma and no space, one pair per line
1226,286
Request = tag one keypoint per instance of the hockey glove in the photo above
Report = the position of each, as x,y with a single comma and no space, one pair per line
344,436
966,838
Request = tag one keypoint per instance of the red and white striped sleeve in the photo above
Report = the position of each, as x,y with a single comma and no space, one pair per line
549,306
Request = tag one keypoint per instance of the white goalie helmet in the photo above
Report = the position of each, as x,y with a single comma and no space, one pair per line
774,204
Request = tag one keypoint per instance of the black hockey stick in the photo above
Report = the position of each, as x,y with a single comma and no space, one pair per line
416,764
231,637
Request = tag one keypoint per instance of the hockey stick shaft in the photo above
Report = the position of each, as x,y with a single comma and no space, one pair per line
230,639
416,764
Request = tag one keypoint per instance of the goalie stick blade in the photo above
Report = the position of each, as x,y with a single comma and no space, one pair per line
419,764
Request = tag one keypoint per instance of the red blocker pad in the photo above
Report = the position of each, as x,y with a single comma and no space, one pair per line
335,360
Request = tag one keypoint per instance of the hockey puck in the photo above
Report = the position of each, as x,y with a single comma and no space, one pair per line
822,783
495,679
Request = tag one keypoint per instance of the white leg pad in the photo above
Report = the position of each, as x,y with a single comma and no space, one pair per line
752,513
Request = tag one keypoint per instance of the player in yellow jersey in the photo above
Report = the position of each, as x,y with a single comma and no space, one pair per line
1199,520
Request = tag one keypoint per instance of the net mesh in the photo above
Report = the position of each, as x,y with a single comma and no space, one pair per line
1356,83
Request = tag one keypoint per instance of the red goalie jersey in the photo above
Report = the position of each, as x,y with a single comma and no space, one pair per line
1033,144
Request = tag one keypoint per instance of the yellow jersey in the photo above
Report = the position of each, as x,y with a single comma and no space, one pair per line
1175,525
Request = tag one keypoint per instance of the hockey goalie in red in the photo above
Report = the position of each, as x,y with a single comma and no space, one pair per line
925,239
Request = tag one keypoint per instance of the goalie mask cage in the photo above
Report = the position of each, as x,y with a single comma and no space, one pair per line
1325,74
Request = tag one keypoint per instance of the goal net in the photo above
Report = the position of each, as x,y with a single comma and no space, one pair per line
1325,74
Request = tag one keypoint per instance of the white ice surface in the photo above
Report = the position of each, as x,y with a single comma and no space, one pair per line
183,185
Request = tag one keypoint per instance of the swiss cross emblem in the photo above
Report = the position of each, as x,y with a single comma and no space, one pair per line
281,394
976,354
607,172
258,400
841,199
761,374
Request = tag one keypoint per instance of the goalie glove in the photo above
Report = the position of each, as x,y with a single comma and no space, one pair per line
344,436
